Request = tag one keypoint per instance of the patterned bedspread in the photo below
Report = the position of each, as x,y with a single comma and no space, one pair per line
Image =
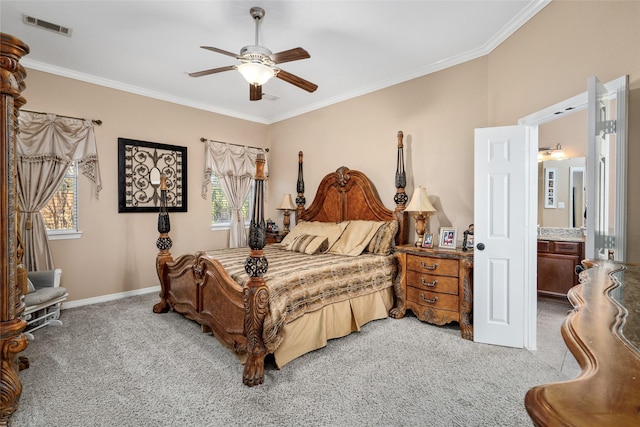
300,283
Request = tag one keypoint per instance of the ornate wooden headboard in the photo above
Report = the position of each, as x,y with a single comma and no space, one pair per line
348,194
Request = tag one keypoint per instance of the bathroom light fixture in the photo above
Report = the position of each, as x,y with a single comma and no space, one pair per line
548,153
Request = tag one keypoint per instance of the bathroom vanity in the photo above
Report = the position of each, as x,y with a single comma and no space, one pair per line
559,252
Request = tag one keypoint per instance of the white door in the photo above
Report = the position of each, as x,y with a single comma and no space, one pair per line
606,169
502,233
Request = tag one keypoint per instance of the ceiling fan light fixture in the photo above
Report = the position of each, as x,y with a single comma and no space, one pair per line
256,73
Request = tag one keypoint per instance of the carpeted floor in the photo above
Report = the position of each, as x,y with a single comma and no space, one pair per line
119,364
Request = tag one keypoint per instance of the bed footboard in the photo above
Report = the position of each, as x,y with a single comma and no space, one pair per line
199,288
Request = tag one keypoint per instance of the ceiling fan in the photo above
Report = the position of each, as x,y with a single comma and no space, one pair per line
258,64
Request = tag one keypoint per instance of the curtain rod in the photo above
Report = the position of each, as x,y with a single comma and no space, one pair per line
96,121
203,139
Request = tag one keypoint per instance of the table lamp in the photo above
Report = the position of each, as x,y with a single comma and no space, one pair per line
287,206
421,206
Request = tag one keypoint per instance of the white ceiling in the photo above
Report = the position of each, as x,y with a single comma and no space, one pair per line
356,47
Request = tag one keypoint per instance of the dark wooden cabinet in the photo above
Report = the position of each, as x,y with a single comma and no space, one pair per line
556,266
436,285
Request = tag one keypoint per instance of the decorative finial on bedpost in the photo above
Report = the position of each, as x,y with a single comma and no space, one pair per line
300,200
163,243
255,293
401,197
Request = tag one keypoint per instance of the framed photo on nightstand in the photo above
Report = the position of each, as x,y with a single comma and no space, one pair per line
448,237
428,241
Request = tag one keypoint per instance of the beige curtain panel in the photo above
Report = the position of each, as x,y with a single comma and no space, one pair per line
235,167
46,147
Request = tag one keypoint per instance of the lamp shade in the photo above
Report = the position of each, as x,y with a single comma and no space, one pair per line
256,73
420,202
287,203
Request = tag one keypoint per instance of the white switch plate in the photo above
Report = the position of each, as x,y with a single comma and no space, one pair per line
560,205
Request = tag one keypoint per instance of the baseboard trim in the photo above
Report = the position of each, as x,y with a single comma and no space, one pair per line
110,297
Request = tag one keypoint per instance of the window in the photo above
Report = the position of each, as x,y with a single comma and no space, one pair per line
220,209
61,213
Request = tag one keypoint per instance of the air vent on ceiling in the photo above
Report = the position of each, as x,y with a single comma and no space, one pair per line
30,20
269,96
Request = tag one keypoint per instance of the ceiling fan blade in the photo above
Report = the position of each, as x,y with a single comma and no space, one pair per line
297,81
224,52
255,92
290,55
212,71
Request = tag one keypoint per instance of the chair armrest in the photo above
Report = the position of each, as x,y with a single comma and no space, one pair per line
45,279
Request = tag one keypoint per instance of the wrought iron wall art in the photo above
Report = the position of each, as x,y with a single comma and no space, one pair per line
140,165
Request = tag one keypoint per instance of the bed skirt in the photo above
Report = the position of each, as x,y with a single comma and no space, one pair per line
313,330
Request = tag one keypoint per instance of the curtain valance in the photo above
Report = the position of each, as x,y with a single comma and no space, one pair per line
47,137
223,159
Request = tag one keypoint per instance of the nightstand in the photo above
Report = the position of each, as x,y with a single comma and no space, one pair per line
436,285
275,237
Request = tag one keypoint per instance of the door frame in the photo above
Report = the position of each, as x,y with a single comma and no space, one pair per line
533,121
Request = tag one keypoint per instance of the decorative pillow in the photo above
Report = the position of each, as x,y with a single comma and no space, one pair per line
383,240
309,244
356,237
331,230
30,287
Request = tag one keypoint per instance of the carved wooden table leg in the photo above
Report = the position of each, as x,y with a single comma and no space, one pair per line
466,306
399,288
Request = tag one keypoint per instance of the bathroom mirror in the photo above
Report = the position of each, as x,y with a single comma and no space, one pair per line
564,182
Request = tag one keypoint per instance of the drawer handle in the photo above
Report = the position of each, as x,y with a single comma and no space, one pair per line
430,301
428,284
429,267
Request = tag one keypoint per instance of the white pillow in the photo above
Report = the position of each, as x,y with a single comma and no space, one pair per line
356,237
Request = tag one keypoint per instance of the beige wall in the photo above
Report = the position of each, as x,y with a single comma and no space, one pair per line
548,60
437,115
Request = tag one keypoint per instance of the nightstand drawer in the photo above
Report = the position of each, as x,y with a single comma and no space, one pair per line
431,265
433,283
432,299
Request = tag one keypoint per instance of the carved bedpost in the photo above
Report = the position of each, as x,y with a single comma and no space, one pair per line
401,197
255,292
163,244
300,200
12,340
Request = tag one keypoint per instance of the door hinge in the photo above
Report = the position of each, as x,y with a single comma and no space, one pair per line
606,127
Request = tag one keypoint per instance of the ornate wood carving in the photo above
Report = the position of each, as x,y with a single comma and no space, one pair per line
163,244
300,200
255,292
401,197
12,341
466,299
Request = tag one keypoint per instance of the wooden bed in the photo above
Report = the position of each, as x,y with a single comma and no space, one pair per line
199,287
